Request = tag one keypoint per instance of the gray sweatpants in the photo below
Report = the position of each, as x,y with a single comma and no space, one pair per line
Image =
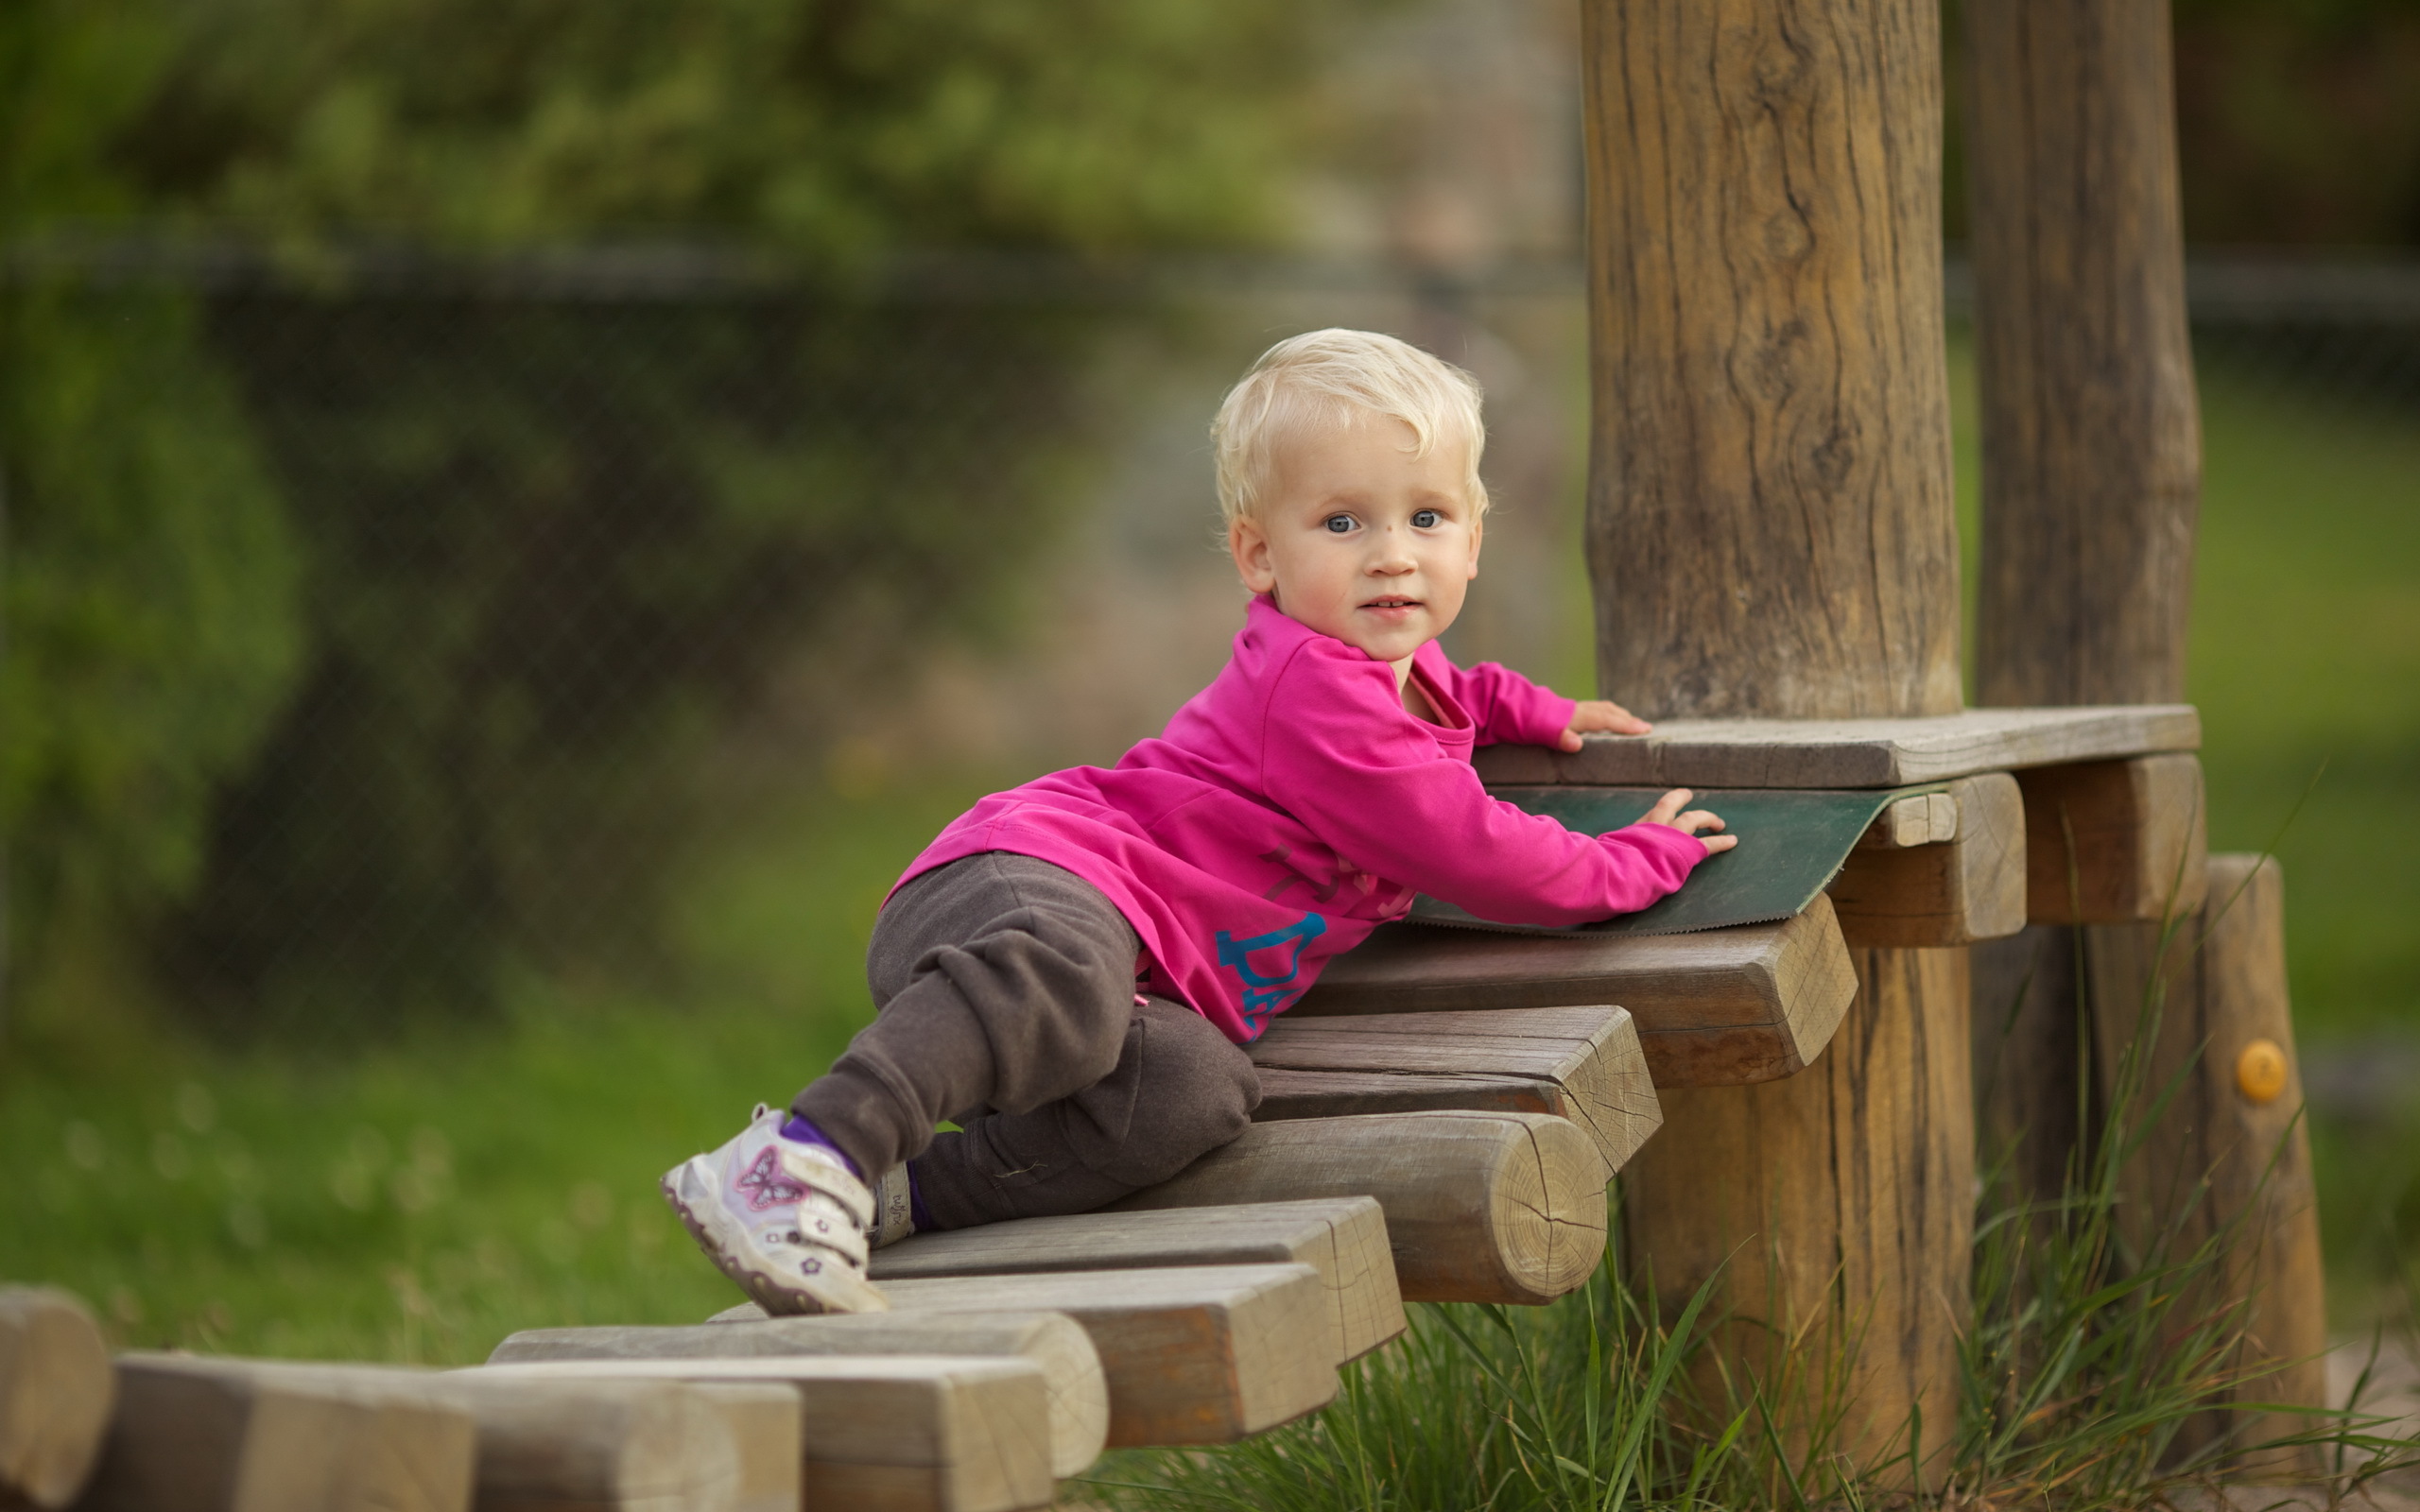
1004,995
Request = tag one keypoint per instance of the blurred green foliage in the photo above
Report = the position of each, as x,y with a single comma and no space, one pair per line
361,645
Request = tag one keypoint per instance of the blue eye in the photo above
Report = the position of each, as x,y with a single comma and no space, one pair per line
1426,519
1338,524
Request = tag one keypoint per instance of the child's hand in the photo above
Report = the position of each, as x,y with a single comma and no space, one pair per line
1597,715
1667,812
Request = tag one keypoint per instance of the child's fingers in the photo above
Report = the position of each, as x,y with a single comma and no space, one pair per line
1717,844
1697,820
1568,740
1666,807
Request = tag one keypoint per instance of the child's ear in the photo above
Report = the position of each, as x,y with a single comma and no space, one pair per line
1249,544
1479,535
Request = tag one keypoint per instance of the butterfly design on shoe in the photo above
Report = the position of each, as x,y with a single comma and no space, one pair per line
766,1184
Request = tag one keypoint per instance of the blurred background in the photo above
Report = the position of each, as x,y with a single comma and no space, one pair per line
522,517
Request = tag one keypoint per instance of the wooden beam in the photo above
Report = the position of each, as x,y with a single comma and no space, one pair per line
56,1388
1922,818
201,1435
1772,536
1721,1006
1894,753
1054,1343
2116,842
1969,888
2233,1147
891,1434
1481,1207
1345,1239
1579,1063
2091,461
766,1427
1194,1354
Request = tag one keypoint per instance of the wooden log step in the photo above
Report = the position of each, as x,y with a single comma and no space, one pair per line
1345,1239
197,1434
1481,1207
1904,752
2116,842
1968,886
1719,1008
1194,1354
766,1429
1054,1343
886,1434
56,1388
1579,1063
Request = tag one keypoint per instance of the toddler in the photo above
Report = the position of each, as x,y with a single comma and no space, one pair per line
1070,970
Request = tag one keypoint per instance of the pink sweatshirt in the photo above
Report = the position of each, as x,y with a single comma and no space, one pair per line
1293,806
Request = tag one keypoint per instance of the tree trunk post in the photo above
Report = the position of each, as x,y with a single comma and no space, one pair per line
1770,533
2091,493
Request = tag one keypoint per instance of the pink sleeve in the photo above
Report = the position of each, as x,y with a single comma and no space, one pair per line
1507,708
1340,755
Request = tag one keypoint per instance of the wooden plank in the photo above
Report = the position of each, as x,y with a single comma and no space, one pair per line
1581,1063
1921,818
1971,888
1481,1207
2116,842
202,1434
56,1388
1345,1239
765,1425
1895,752
1194,1354
888,1433
1054,1343
1722,1006
2223,1034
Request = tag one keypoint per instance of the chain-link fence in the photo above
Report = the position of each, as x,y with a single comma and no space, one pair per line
398,623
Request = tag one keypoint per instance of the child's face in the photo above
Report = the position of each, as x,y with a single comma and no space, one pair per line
1360,539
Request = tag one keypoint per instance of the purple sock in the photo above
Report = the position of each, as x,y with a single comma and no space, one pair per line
806,1133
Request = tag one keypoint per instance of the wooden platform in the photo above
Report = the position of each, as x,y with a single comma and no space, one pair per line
1194,1354
1053,1342
1481,1207
1579,1063
1724,1006
1343,1239
895,1433
1851,753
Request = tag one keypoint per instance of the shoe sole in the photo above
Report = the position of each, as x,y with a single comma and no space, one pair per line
779,1299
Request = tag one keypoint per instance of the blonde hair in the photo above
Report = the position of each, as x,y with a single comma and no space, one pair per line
1335,377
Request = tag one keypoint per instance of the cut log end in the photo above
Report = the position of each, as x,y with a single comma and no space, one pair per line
56,1389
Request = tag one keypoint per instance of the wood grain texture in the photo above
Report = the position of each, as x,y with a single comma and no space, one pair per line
765,1427
1838,1202
1345,1239
1194,1354
2116,842
890,1433
57,1388
1581,1063
205,1435
1481,1207
1718,1007
638,1445
2091,434
2217,1156
1925,819
1770,526
1770,534
1968,889
1877,753
1054,1343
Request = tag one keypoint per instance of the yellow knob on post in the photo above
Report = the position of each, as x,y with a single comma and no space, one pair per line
2260,1071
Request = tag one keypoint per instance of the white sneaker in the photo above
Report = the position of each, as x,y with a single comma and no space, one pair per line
786,1220
894,1207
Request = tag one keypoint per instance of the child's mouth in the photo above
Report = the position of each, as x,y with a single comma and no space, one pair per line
1391,603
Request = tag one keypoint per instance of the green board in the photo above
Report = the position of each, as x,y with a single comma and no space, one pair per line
1791,844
